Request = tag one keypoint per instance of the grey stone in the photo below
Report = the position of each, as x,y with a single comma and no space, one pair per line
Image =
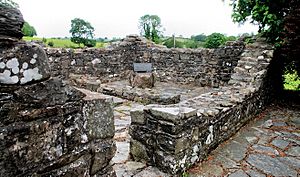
279,124
291,161
208,170
99,112
239,173
138,151
294,151
137,115
151,171
122,153
254,173
294,120
11,24
142,80
25,63
268,124
282,144
224,161
265,149
134,166
120,169
173,114
270,166
234,151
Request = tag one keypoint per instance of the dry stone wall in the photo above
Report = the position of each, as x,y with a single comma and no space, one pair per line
47,128
204,67
174,137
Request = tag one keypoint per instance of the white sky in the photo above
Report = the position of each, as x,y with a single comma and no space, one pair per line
118,18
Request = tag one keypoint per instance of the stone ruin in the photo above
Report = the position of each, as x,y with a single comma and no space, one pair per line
173,133
47,127
52,129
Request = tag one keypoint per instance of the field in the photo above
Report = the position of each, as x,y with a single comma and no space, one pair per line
181,42
60,42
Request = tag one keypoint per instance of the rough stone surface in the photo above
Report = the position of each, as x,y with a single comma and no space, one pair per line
142,80
174,137
11,24
270,165
260,160
204,67
164,94
47,127
22,63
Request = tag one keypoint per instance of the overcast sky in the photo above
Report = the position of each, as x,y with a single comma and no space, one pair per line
118,18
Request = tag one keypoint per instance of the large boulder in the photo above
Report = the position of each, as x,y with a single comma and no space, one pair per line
11,23
21,64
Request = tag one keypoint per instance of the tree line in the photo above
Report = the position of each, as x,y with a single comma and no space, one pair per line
268,15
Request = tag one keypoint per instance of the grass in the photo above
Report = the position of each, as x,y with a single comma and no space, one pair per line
61,43
181,42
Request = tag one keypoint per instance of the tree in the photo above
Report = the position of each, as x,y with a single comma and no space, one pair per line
150,27
214,40
82,32
268,15
28,30
200,37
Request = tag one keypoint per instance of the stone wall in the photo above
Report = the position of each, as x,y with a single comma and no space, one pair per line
174,137
205,67
47,127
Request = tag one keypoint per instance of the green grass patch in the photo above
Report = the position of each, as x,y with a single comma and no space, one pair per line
60,43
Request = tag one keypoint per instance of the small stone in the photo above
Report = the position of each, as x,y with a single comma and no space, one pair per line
254,173
282,144
291,161
239,173
279,124
248,67
270,166
268,124
133,166
151,171
234,151
294,151
208,169
265,149
122,153
260,57
251,140
137,115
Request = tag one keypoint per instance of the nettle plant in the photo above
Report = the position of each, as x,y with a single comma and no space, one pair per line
8,3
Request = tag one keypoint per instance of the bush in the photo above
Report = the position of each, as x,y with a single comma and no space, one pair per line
89,43
215,40
44,40
50,43
291,80
192,44
170,43
200,37
231,38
